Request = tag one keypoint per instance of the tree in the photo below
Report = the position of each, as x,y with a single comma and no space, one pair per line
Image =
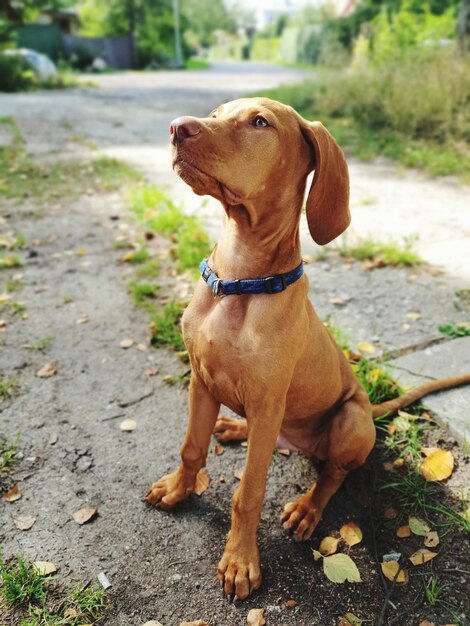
463,26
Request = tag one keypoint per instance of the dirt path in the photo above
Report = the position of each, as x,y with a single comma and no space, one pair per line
72,452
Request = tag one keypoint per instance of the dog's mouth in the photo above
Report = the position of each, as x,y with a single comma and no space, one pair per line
203,183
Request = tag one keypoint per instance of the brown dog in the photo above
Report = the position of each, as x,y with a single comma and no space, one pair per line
267,355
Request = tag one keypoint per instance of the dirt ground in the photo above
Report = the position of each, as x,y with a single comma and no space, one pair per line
72,453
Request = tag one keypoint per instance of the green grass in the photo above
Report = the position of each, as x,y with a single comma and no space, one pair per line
196,64
17,308
12,286
8,386
148,269
22,177
455,330
137,256
389,253
165,326
40,345
142,292
377,381
7,453
9,261
21,583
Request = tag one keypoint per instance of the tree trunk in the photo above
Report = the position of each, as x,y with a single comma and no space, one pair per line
463,27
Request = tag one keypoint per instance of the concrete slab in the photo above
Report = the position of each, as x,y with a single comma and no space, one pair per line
451,407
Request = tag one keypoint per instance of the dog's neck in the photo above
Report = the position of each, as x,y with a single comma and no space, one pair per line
258,241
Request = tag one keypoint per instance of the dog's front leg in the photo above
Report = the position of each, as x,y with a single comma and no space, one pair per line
203,411
239,570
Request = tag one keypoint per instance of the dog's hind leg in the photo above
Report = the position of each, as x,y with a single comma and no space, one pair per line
351,437
230,429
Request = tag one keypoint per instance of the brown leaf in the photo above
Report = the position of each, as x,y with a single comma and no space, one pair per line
142,347
431,540
3,324
128,425
328,545
398,463
47,370
337,301
53,439
391,570
439,465
13,495
82,516
154,623
403,531
351,533
423,555
255,617
390,513
44,567
202,482
291,604
218,449
83,319
151,371
126,343
70,614
24,523
199,622
284,451
425,622
238,473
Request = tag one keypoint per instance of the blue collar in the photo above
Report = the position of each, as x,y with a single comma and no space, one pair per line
270,284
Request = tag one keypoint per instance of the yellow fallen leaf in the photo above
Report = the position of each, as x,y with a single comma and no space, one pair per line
413,315
199,622
47,370
439,465
340,567
365,348
423,555
349,620
351,533
255,617
418,526
44,567
403,531
203,481
392,571
24,523
128,425
152,623
82,516
4,297
398,463
328,545
431,540
12,495
426,622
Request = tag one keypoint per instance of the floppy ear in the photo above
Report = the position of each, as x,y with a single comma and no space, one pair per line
328,199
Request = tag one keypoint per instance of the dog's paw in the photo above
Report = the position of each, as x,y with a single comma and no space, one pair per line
300,518
239,572
230,429
168,491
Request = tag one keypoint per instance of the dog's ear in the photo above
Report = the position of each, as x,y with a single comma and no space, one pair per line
328,199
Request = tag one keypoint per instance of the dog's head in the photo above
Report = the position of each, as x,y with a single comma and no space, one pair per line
259,151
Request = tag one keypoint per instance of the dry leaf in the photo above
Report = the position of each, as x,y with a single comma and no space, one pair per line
82,516
349,620
151,371
413,315
218,449
418,526
439,465
365,348
431,540
284,451
3,324
199,622
24,523
255,617
83,319
337,301
428,451
238,473
423,555
13,495
128,425
328,545
44,567
425,622
340,567
398,463
142,347
391,428
47,370
291,604
203,481
351,533
317,555
70,614
390,513
152,623
53,439
392,571
126,343
403,531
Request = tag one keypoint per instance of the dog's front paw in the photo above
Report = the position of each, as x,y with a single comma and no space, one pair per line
230,429
169,490
300,517
239,572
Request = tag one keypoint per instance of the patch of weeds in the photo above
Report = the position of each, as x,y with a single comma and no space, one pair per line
136,257
87,602
7,453
67,299
337,333
17,308
8,386
148,269
463,295
377,381
12,286
165,326
21,176
382,253
178,379
40,344
9,261
455,330
143,292
193,244
21,583
196,64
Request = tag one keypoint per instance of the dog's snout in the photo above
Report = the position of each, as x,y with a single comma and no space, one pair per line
183,127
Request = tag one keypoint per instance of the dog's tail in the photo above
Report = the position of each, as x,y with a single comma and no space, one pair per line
392,406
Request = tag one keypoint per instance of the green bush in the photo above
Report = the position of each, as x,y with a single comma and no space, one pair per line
14,74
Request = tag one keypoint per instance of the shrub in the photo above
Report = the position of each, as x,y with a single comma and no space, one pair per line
14,74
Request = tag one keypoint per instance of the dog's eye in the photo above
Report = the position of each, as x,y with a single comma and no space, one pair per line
260,122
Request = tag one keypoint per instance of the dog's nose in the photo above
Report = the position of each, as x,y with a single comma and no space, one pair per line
183,127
